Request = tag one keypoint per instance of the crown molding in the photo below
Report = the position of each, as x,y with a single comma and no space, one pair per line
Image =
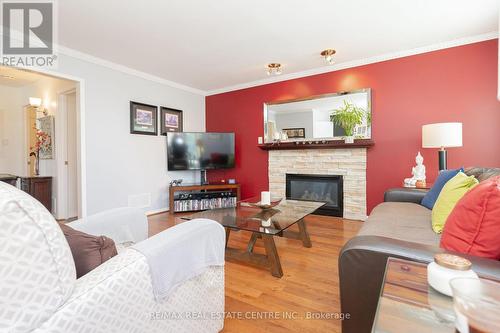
359,62
127,70
320,70
59,49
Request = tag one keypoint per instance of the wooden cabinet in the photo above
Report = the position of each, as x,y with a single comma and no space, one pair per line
39,188
197,188
9,179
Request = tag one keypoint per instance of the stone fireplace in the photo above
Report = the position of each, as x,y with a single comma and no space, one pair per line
349,163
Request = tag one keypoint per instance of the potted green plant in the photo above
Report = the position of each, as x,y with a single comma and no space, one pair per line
348,116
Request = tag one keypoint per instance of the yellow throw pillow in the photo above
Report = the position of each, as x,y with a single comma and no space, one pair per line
451,193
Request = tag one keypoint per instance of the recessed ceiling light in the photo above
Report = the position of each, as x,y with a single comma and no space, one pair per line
5,76
274,69
328,55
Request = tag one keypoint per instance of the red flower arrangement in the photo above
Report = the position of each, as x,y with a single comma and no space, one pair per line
43,141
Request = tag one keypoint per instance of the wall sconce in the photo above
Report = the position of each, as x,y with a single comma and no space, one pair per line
36,103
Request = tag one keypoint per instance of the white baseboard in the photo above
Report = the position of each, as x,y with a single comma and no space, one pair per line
157,211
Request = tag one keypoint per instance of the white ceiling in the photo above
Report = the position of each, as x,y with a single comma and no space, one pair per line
12,77
212,45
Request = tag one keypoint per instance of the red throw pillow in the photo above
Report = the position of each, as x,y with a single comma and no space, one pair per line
473,226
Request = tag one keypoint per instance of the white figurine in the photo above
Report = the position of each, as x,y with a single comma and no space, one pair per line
417,171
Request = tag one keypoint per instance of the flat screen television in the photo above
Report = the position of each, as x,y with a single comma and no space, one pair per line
200,151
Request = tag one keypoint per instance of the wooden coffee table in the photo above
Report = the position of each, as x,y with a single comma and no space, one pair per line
254,220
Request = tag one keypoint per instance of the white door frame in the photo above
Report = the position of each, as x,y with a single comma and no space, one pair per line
80,136
25,145
61,155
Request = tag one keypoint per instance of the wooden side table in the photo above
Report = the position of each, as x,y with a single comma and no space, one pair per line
427,186
408,304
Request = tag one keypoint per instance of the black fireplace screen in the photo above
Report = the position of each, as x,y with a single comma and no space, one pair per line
323,188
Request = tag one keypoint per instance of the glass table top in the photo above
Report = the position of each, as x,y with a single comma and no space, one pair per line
270,221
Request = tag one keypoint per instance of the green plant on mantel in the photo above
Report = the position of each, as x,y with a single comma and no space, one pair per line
348,117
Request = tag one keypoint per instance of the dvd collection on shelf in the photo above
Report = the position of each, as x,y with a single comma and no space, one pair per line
185,202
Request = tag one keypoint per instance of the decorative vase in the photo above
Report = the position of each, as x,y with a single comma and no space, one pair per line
349,139
446,267
37,163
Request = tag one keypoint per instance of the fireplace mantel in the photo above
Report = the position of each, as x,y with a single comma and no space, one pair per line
325,144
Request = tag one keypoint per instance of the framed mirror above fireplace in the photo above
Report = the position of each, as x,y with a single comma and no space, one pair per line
311,119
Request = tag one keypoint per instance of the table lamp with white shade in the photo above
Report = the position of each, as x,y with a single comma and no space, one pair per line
442,135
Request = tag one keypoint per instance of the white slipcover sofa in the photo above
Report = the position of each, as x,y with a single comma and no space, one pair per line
39,291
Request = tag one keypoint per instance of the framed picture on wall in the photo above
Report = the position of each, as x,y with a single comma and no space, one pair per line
295,133
143,119
45,125
171,120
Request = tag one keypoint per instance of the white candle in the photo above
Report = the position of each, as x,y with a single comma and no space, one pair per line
265,198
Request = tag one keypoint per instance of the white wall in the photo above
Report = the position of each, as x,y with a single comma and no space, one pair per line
322,126
295,120
12,142
120,164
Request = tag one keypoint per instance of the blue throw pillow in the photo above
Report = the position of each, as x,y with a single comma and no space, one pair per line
430,198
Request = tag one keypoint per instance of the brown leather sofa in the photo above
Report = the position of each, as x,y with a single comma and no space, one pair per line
399,227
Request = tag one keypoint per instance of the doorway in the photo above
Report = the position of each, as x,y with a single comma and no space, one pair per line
68,162
37,98
31,138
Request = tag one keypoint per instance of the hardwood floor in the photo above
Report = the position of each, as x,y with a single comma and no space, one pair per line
309,283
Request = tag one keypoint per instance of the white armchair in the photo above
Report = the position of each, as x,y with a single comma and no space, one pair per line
121,225
40,292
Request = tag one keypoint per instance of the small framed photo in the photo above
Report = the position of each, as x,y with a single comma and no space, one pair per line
143,119
295,133
171,120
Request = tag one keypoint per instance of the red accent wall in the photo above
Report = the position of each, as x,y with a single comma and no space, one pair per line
455,84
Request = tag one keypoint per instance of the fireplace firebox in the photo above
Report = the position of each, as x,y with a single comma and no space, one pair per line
324,188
